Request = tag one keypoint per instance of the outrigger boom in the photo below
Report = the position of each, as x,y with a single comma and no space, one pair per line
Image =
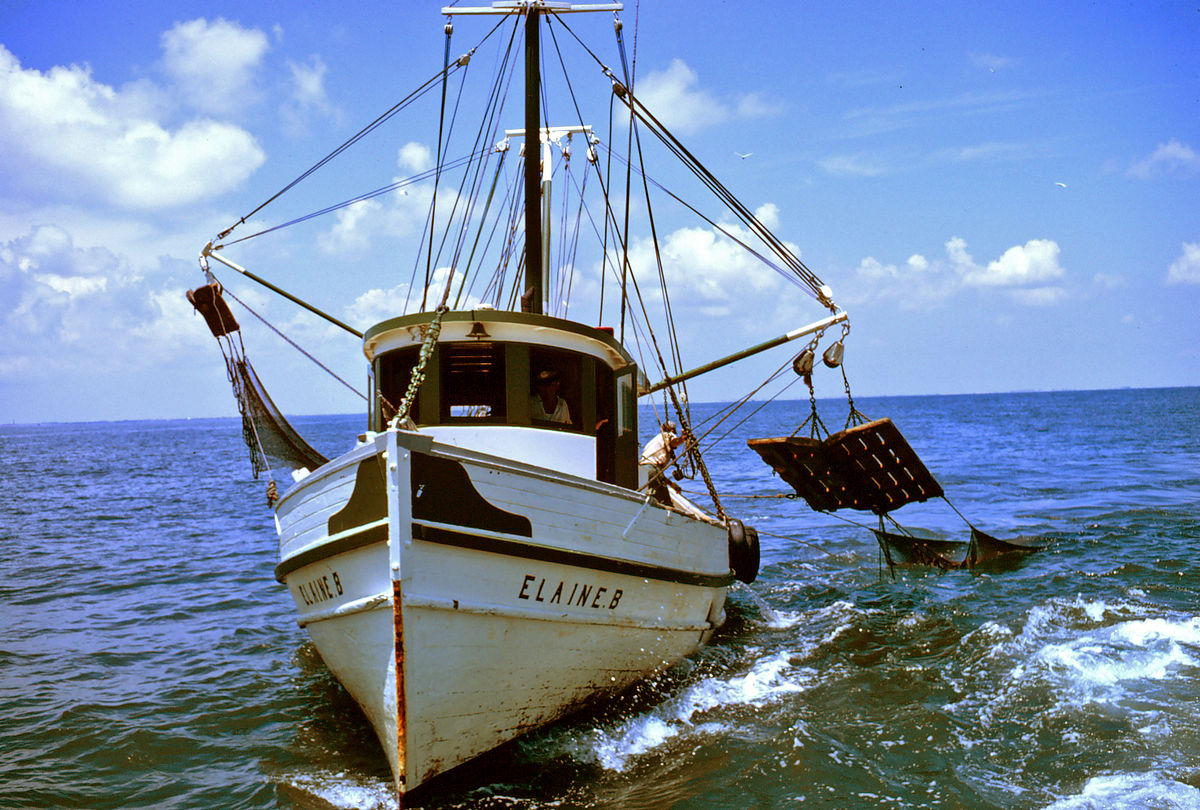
209,253
815,326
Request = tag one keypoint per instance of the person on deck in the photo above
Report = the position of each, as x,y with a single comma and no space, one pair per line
546,405
658,453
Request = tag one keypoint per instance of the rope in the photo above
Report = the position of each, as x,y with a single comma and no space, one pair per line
418,373
427,349
798,540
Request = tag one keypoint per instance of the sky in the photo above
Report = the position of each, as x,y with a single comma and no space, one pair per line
1004,196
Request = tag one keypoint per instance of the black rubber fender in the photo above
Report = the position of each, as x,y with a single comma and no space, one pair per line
743,551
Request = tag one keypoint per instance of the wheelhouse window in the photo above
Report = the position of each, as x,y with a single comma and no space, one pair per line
473,378
555,399
626,403
519,384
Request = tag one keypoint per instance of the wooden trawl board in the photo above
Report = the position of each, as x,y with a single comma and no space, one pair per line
800,461
869,467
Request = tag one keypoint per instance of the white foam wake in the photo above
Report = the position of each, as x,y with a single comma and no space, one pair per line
341,791
612,747
1131,791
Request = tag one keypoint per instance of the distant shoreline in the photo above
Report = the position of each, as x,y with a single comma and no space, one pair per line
863,398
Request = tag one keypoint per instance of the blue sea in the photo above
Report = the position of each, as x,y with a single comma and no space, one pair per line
148,658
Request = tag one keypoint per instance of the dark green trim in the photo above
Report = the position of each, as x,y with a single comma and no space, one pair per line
509,548
366,537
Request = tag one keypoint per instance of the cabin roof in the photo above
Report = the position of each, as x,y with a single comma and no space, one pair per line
500,326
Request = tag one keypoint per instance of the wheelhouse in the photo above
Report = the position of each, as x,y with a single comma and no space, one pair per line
481,388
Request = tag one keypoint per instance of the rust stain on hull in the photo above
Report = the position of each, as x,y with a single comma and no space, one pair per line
401,704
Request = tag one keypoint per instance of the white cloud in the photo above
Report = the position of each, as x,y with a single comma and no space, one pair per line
756,105
414,157
64,135
710,272
1169,158
64,307
991,62
309,82
1186,269
213,63
1034,262
871,267
376,305
768,215
398,214
854,165
675,98
916,284
1022,272
352,231
308,96
956,250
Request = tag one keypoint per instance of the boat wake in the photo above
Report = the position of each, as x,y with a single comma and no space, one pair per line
705,709
1086,679
1130,790
327,790
713,706
1087,653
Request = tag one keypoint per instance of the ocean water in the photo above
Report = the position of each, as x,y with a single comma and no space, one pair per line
148,658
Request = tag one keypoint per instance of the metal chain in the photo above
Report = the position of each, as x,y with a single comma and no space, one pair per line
418,373
816,426
855,416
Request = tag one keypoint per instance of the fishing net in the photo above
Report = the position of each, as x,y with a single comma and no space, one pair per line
871,467
272,441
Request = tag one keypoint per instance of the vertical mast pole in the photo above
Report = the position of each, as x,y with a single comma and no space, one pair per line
532,299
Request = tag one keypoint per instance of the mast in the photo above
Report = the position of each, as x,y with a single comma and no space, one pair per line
531,300
536,247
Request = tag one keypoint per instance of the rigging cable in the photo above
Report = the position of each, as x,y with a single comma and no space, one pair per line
789,276
368,195
486,131
639,111
362,133
429,216
573,251
390,113
466,273
747,217
438,176
293,343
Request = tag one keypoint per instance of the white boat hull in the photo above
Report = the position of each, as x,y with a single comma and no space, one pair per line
497,598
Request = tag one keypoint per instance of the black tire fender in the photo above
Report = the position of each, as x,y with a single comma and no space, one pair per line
743,551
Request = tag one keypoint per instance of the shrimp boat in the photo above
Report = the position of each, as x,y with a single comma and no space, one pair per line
493,552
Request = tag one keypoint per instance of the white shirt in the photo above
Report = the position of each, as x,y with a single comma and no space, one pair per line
561,412
658,450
